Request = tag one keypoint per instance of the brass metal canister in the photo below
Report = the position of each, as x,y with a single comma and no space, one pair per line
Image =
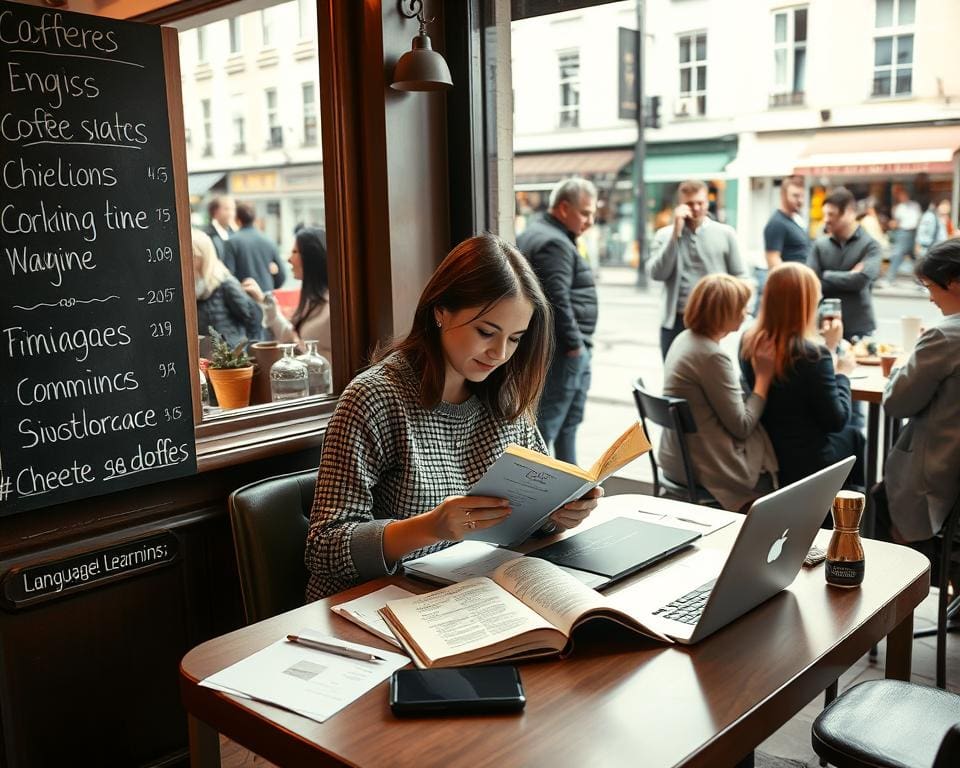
845,560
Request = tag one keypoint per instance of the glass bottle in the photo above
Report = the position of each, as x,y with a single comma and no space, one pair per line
321,378
845,561
289,378
204,389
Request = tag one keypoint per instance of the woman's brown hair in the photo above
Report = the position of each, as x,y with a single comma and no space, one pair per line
787,314
478,273
714,303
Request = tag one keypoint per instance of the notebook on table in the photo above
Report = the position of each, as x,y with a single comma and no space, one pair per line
617,548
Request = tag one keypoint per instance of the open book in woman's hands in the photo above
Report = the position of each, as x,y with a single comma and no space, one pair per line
536,484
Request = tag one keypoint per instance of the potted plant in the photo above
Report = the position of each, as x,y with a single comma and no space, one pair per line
230,372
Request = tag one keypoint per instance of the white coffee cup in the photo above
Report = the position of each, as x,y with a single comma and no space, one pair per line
910,330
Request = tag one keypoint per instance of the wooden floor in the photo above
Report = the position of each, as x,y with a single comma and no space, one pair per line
792,741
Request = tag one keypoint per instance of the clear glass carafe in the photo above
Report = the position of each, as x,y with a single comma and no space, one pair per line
321,377
289,378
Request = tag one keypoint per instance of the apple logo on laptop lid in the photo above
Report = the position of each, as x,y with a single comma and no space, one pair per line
777,547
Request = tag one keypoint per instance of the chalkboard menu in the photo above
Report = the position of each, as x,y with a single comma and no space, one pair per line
95,384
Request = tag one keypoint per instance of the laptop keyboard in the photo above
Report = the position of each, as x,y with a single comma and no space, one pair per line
687,609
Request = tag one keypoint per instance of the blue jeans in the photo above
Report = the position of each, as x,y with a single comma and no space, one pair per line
667,335
903,242
563,401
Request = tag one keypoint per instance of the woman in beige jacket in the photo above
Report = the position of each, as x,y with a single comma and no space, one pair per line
731,453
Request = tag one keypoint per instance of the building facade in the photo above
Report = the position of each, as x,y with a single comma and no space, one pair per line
861,93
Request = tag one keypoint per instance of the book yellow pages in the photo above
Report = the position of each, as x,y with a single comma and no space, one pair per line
473,622
626,448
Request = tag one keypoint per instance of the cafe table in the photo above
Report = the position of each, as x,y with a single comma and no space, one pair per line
618,699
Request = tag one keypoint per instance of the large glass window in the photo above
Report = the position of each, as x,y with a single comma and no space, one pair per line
893,48
254,146
692,93
569,65
789,56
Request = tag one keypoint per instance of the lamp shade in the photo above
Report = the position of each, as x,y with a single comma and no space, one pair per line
421,69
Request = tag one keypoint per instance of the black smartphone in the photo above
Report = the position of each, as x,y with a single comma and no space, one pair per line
456,691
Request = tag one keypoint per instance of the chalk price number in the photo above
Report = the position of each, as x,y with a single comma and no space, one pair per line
160,296
167,369
163,253
158,174
159,330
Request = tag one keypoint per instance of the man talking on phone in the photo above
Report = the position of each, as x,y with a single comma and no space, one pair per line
692,246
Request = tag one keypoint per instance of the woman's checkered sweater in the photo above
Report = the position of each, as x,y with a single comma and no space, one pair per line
385,458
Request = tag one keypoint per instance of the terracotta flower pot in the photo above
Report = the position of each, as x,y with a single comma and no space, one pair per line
265,354
232,385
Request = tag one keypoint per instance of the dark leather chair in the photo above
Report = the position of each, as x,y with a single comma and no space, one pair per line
270,519
890,724
671,413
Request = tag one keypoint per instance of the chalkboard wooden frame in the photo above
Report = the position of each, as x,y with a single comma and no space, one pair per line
169,38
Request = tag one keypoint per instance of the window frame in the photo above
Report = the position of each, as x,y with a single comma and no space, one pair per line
694,94
568,114
786,92
272,113
235,34
310,125
895,32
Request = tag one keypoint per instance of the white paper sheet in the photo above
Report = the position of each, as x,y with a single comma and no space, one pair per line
312,683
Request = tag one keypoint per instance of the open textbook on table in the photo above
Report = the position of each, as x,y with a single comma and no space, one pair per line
524,609
536,484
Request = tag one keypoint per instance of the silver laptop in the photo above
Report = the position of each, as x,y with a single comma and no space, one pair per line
697,596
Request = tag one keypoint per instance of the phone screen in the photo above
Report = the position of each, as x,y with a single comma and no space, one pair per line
456,690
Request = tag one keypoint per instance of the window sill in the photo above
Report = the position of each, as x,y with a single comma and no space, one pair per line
260,432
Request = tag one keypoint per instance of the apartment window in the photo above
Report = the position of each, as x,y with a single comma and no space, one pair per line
207,115
789,56
238,123
267,27
274,129
693,75
569,63
236,41
201,44
309,115
893,48
306,18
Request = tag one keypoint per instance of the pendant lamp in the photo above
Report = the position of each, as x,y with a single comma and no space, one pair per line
421,68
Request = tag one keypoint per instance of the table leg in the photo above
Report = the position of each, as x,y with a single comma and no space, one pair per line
873,443
900,650
204,744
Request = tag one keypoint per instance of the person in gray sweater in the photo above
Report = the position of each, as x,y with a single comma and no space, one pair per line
732,455
411,435
922,474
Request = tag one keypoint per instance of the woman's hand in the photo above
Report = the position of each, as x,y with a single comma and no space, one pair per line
764,357
458,515
252,289
832,331
846,364
571,514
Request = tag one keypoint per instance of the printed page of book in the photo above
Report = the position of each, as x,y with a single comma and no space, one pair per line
561,599
470,622
549,591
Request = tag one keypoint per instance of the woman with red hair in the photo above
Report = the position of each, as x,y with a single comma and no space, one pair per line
808,405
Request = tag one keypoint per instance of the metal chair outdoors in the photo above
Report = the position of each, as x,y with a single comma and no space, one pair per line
270,519
946,609
671,413
889,724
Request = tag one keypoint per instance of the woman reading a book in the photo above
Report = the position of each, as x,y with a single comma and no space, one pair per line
412,434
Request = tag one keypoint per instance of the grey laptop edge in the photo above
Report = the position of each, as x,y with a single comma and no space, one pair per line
766,557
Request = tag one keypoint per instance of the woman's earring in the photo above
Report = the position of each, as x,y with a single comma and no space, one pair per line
439,324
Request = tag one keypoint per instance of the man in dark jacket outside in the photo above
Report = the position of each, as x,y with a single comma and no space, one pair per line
550,244
847,261
250,253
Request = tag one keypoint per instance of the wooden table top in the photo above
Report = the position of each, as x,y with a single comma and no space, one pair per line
868,384
619,698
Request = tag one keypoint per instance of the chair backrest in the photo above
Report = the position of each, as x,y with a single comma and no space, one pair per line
670,413
270,519
948,756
